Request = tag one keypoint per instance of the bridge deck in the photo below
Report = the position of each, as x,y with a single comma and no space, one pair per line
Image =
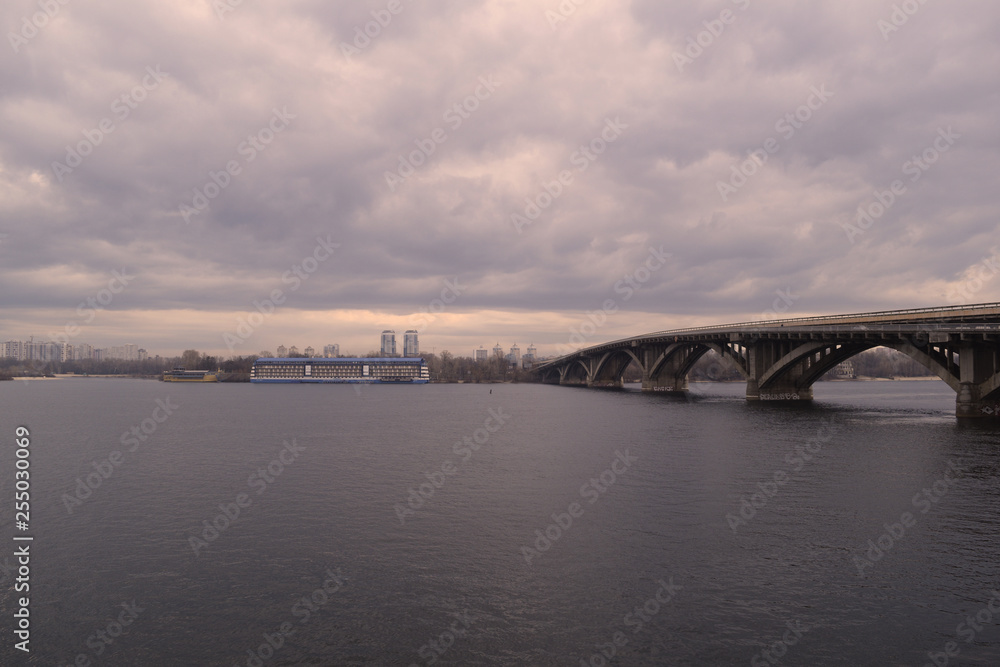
974,318
782,359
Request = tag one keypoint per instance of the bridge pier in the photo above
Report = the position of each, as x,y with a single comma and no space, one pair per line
665,384
967,402
778,391
769,379
978,372
665,368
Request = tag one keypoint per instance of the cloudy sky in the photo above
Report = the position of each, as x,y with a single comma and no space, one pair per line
488,170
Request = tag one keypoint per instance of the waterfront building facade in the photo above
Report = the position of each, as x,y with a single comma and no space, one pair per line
379,370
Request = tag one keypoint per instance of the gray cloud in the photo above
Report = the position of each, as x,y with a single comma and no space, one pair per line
356,115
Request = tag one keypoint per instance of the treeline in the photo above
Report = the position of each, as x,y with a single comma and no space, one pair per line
443,367
191,360
446,367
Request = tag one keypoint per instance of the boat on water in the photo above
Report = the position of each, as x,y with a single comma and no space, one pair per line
180,374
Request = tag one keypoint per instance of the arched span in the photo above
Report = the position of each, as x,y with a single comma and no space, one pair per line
935,363
816,359
990,390
551,375
677,360
575,372
612,366
734,356
833,357
808,362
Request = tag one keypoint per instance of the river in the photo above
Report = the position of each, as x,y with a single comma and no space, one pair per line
516,524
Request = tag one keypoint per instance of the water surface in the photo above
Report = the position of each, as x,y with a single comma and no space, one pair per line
695,516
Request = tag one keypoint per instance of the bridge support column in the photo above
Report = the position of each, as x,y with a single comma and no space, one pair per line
779,391
976,366
967,402
782,391
756,367
669,385
671,379
762,355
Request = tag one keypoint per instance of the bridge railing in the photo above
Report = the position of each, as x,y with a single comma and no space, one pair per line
850,318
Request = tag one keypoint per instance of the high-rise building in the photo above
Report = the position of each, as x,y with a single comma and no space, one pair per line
282,351
411,345
52,351
309,352
32,351
530,356
331,351
515,355
498,351
481,354
388,343
44,351
293,351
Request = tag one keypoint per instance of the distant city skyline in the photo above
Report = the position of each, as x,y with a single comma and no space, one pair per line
30,349
47,350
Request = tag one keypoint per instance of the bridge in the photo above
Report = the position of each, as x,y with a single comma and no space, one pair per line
781,359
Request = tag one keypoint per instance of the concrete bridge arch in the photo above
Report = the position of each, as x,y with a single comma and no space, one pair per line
781,360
